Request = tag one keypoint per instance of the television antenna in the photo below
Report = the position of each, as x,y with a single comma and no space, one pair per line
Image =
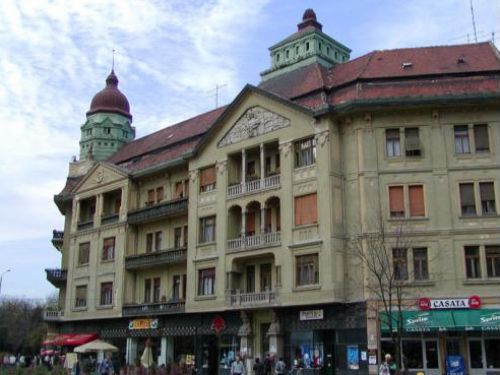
473,20
216,92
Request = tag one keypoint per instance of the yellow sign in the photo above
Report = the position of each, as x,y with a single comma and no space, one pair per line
143,324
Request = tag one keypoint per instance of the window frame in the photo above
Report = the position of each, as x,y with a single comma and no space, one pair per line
392,143
400,263
408,203
203,235
475,268
305,152
461,135
492,262
307,270
206,281
81,303
107,250
106,290
211,186
420,264
298,207
80,262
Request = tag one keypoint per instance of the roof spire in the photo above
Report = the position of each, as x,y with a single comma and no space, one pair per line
309,19
113,63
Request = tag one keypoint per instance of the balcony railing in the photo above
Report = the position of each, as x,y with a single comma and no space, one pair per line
87,224
53,315
57,276
136,309
256,241
57,239
253,186
156,258
109,218
257,299
158,211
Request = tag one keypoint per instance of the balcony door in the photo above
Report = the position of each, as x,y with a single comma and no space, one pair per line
265,277
250,279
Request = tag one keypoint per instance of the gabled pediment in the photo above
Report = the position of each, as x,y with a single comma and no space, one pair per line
254,122
99,175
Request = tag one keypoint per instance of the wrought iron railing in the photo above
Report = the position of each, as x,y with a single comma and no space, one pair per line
137,309
158,211
156,258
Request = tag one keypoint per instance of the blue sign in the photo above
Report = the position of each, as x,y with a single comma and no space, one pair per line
455,365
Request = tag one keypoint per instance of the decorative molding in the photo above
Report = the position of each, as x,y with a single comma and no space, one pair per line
221,166
322,138
285,148
193,175
254,122
99,176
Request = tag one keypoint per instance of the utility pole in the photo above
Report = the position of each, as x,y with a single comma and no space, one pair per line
1,277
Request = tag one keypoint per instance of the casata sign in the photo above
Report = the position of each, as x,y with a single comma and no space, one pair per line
473,302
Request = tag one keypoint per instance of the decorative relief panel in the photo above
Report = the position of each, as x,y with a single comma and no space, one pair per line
207,198
254,122
221,166
304,173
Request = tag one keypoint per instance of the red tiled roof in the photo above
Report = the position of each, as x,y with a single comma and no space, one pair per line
166,137
71,182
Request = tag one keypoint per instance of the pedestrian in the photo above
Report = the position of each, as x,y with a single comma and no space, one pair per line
258,367
280,367
268,363
105,367
388,367
237,367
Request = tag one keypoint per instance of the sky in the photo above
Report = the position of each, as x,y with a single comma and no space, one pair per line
170,55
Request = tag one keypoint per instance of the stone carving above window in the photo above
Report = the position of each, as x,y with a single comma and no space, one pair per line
254,122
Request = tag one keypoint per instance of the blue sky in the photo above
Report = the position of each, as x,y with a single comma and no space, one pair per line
55,55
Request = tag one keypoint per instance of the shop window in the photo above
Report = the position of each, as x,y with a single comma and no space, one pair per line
207,229
306,209
228,347
106,294
307,270
158,240
431,354
420,264
493,260
149,242
392,143
207,179
307,348
472,262
462,139
176,287
492,348
467,200
400,264
147,291
475,354
108,249
206,282
83,253
305,152
481,138
487,195
156,289
413,146
81,296
177,237
412,350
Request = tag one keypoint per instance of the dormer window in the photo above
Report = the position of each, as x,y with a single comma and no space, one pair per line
406,65
278,57
297,50
107,130
307,46
287,53
320,46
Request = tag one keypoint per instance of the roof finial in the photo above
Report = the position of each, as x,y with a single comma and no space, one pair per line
113,63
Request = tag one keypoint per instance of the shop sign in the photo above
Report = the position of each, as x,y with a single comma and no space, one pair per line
311,315
218,324
143,324
473,302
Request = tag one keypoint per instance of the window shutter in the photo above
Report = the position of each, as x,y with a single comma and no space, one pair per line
487,191
412,141
207,176
178,190
481,138
306,209
417,207
151,196
118,204
392,134
250,222
396,199
268,220
159,194
467,194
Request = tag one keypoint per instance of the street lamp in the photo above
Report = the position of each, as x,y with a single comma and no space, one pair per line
1,277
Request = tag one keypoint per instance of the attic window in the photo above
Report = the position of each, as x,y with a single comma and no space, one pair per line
287,53
170,136
278,57
406,65
297,50
307,46
460,60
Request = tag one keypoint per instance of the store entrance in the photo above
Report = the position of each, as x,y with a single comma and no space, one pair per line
210,354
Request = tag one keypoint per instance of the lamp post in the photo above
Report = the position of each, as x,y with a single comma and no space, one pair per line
1,277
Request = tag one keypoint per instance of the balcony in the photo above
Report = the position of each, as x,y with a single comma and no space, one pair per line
156,258
254,186
109,219
237,299
136,309
57,277
158,211
53,315
257,241
87,224
57,239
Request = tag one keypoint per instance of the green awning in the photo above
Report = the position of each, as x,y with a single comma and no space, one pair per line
445,320
421,321
477,320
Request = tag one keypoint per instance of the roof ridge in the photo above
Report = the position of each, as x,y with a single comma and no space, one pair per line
429,47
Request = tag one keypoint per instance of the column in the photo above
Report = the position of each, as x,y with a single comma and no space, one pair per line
98,210
262,223
124,203
131,350
162,359
262,170
74,223
243,171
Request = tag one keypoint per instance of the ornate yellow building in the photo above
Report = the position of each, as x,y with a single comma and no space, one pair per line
231,232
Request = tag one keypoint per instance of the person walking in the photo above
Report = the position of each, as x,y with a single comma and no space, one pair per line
280,367
258,367
105,367
237,367
268,363
388,367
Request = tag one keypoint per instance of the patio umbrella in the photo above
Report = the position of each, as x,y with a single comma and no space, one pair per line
96,346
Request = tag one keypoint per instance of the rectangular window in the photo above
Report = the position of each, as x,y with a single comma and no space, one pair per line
106,294
472,262
176,287
420,264
156,289
307,270
412,142
206,282
400,264
265,277
207,179
250,282
159,194
147,291
118,204
83,253
462,139
491,348
396,201
493,260
467,199
108,249
184,285
487,194
251,169
149,242
305,152
81,296
416,195
151,197
158,239
207,229
179,190
177,237
481,138
393,143
306,209
185,237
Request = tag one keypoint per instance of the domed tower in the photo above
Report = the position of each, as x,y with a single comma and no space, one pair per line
307,46
109,123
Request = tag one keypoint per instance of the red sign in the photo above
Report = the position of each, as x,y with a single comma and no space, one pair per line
218,324
425,303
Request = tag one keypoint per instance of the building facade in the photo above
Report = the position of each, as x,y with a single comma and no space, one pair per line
232,232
